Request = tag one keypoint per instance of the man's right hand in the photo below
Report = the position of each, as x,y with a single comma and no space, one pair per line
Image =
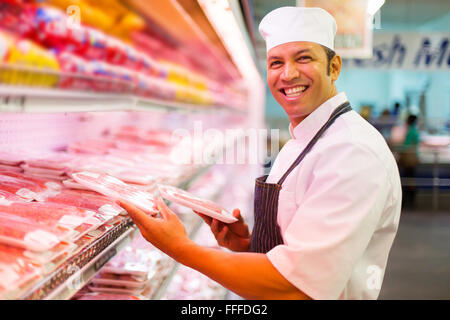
234,236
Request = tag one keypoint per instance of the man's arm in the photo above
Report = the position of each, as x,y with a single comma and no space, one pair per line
250,275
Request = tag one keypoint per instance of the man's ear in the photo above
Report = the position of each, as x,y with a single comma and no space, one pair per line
335,67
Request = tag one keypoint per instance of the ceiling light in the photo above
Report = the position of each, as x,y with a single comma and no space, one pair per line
373,6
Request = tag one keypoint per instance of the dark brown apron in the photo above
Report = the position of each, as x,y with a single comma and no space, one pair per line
266,232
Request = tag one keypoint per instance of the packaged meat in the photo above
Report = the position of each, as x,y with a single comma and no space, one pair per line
10,159
86,200
10,168
117,190
72,184
23,188
25,233
107,296
41,182
112,289
48,214
55,255
117,281
16,270
42,171
7,198
203,206
57,161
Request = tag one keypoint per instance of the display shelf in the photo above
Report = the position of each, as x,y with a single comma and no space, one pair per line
68,278
40,100
72,275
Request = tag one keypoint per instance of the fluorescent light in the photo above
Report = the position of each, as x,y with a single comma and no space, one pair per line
221,17
373,6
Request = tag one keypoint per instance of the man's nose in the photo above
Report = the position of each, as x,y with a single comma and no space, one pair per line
289,72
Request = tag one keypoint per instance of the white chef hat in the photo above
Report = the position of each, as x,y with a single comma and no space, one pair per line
289,24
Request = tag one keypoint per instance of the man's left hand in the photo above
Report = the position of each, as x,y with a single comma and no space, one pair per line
167,233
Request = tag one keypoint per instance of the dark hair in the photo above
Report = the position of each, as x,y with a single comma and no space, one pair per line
330,55
411,119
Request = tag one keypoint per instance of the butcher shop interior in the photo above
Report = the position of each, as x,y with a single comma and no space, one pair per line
109,102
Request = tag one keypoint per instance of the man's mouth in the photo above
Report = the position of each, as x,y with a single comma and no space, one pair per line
293,92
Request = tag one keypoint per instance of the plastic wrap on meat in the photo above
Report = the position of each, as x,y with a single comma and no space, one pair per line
28,234
107,296
117,189
16,270
4,167
56,161
204,206
42,171
41,182
21,187
86,200
48,214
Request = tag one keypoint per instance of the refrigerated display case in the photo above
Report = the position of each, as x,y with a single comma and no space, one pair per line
104,93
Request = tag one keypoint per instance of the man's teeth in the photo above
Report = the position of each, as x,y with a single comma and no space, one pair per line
295,91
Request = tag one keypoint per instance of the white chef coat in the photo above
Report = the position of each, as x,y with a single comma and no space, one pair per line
339,209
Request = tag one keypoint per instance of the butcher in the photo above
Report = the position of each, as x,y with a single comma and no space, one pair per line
326,215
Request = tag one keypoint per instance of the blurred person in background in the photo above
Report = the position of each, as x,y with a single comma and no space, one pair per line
409,159
327,213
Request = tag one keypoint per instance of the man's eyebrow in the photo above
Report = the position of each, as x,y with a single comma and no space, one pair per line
297,53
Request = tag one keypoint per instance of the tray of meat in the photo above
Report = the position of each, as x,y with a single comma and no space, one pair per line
16,270
5,167
107,296
48,214
41,182
87,200
203,206
56,254
122,281
72,184
23,188
117,190
114,289
28,234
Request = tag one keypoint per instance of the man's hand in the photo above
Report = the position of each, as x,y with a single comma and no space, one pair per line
166,233
234,236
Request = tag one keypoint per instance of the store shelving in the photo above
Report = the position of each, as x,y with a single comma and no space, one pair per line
39,100
82,266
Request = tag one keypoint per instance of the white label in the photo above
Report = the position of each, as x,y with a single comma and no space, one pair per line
53,185
109,210
71,221
7,276
26,193
40,240
4,201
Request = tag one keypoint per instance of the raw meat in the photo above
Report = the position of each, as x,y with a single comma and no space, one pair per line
86,200
16,269
72,184
10,168
206,207
42,171
25,233
117,189
48,214
107,296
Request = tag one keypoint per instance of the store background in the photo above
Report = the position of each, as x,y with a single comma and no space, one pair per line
219,79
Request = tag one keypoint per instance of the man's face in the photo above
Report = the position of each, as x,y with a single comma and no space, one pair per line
297,77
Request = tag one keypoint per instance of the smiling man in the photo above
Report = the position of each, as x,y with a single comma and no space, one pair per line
328,212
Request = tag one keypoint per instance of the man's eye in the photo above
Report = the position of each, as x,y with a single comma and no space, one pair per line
274,63
304,58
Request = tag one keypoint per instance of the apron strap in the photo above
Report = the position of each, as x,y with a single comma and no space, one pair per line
340,110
